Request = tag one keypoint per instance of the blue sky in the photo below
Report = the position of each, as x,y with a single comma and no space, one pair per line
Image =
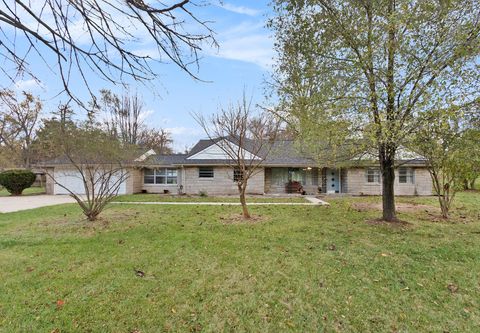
242,61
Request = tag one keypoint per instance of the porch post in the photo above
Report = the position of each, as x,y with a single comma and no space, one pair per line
339,180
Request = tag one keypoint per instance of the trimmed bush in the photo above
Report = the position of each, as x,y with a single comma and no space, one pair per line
15,181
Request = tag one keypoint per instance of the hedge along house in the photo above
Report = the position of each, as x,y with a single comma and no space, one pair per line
207,168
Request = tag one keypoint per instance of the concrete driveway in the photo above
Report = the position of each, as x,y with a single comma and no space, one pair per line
14,204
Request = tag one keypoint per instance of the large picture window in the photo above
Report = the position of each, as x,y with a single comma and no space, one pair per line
406,176
205,172
163,176
281,176
373,176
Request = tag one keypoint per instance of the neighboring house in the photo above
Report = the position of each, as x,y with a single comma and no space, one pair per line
207,169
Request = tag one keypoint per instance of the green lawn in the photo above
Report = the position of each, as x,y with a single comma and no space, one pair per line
195,198
28,191
301,269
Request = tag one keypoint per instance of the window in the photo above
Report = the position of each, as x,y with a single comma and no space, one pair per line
149,176
161,176
205,172
373,176
279,176
237,175
406,176
297,175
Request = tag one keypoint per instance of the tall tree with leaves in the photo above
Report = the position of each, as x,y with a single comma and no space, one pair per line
367,69
451,152
18,123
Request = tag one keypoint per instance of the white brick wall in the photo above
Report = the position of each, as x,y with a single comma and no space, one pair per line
134,181
221,183
357,184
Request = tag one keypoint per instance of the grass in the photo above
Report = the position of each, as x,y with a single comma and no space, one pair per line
195,198
29,191
303,269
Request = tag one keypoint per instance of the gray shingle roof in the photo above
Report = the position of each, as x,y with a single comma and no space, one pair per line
282,153
285,152
172,159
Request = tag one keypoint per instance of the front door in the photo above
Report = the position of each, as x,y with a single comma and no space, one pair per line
333,182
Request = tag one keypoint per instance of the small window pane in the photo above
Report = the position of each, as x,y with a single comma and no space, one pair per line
237,175
373,176
160,180
171,180
148,172
405,175
148,179
205,172
160,172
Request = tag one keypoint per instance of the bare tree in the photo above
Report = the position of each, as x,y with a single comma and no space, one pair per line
18,123
123,115
75,38
244,138
159,140
123,118
100,166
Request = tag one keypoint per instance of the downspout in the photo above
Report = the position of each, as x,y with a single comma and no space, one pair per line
183,180
339,180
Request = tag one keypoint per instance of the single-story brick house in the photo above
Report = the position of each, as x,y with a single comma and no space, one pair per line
206,168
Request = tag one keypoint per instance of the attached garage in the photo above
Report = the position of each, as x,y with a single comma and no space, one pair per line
72,179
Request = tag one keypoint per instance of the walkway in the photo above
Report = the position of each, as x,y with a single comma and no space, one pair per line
24,202
14,204
312,202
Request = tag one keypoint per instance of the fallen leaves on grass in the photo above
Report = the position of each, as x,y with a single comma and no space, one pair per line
139,273
452,287
400,207
397,223
60,303
239,219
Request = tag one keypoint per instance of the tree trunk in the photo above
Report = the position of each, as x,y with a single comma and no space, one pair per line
388,192
472,184
243,201
443,206
91,216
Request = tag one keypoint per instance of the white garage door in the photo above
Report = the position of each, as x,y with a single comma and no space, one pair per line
72,180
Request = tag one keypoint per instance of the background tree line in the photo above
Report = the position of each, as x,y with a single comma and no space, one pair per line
26,132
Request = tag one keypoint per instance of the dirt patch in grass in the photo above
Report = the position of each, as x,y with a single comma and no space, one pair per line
401,207
239,219
397,223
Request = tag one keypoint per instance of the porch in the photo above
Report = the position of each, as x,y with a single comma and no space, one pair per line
311,180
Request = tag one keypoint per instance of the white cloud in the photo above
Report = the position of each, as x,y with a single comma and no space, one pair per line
253,48
248,42
28,85
240,9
